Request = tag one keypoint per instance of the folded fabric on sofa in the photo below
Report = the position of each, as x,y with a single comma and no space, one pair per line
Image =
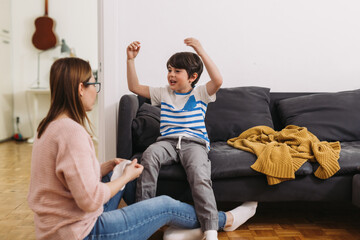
281,153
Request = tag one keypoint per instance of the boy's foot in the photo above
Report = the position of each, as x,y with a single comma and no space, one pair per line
173,233
211,235
241,214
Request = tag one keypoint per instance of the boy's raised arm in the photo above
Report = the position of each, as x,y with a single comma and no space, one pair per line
133,82
216,79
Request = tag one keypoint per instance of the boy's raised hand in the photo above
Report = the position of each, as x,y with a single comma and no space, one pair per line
132,50
195,44
216,79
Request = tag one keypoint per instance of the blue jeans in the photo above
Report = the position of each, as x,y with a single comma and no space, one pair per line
140,220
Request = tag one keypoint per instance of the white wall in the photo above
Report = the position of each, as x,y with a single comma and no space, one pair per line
109,74
76,22
287,45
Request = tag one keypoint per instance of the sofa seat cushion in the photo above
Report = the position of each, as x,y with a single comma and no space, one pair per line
349,159
229,162
226,162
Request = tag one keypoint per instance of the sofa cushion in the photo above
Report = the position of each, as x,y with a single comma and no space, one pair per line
349,159
229,162
356,190
330,116
236,110
145,127
226,162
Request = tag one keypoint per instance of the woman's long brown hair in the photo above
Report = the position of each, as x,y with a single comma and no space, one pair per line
65,76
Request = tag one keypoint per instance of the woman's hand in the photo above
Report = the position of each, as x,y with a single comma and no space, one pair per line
108,166
132,50
133,170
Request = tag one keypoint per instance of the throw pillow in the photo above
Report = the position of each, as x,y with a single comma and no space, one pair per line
329,116
236,110
145,127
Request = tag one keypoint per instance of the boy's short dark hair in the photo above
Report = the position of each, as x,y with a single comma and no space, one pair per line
189,61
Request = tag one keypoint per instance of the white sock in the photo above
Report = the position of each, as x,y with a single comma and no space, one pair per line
211,235
172,233
241,214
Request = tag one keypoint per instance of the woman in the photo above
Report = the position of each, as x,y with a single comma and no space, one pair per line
66,192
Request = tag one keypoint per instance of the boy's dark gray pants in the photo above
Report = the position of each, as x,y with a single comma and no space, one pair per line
193,156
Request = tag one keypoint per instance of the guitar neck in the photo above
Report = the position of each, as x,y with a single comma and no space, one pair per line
46,7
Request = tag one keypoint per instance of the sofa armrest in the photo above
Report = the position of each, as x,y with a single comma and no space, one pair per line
356,190
128,107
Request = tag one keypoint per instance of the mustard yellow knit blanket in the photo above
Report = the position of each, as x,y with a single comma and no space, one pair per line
281,153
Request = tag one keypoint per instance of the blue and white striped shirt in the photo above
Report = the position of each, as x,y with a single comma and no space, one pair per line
182,114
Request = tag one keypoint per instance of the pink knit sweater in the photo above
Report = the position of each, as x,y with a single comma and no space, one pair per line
65,192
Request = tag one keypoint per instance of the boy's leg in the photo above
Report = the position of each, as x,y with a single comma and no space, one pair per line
194,158
157,154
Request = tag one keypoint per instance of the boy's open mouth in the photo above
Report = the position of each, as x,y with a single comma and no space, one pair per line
172,82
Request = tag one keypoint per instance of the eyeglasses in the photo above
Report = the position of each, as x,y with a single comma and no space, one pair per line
96,84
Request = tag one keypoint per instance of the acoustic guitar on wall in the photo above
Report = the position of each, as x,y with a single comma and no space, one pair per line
44,37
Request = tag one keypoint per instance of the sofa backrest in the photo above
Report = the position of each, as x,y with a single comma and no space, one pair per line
275,97
330,116
234,111
238,109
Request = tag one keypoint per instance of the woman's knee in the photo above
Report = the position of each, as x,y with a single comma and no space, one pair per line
165,200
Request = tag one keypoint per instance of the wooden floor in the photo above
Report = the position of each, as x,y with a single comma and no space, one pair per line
273,221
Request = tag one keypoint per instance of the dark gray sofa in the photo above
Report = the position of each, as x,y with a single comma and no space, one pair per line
330,116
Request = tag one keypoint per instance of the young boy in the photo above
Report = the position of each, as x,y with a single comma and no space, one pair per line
183,134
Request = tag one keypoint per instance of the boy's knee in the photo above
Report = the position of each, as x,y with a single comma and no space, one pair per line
149,161
150,158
